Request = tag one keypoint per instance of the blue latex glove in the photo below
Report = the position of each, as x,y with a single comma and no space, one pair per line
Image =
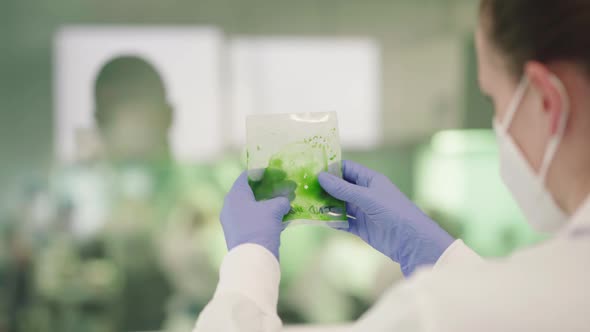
386,219
244,220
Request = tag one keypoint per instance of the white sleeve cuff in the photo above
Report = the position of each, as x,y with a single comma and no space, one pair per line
458,253
254,272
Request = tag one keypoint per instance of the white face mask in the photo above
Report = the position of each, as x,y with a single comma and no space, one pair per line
528,188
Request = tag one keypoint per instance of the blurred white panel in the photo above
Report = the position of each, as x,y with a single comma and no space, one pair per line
284,75
425,88
187,58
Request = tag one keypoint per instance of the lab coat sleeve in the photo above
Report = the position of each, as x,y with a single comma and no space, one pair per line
458,253
407,306
541,289
247,293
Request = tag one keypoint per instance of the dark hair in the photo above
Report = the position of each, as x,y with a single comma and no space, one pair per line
540,30
126,78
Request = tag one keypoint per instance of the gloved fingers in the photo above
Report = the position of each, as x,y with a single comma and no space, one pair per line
279,206
344,190
352,227
358,226
352,211
359,229
241,189
357,173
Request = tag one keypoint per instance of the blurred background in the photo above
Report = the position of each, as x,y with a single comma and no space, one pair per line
122,128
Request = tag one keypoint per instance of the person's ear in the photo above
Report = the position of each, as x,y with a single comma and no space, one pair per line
551,91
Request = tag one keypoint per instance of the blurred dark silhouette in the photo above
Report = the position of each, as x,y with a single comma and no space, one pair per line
132,111
134,118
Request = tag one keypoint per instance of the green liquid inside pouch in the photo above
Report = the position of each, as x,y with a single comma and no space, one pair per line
286,152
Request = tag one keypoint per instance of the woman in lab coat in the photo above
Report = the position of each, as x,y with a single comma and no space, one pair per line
534,64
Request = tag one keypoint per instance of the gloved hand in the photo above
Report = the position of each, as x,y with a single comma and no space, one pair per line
385,218
244,220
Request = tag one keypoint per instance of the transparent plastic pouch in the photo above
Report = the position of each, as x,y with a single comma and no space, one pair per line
285,154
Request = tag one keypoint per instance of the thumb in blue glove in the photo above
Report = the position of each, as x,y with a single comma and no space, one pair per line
244,220
385,218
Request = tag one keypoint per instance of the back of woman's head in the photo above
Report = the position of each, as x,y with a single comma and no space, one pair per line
540,30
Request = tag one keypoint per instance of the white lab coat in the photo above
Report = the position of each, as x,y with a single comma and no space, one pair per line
543,288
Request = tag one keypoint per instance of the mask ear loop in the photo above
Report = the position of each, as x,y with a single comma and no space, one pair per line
556,139
514,104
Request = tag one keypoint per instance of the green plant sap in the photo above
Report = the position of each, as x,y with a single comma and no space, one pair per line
293,173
